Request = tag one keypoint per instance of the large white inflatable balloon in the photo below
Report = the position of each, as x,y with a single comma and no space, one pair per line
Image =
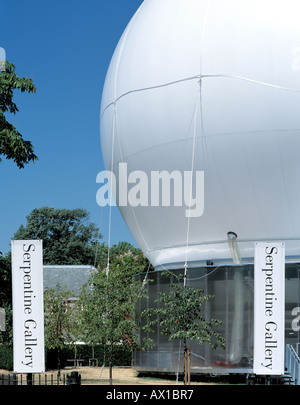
209,87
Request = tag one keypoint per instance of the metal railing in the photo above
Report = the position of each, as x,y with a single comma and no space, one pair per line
292,364
40,379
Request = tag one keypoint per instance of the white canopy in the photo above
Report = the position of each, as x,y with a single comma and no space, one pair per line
212,86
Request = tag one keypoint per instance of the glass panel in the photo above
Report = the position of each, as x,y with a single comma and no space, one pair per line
232,287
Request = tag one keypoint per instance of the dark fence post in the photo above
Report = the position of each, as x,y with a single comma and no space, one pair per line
29,378
74,378
15,379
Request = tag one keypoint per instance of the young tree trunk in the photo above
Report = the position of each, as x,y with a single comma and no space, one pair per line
185,361
58,359
110,364
187,364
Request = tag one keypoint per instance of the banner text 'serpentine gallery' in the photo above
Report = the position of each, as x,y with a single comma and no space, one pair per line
28,306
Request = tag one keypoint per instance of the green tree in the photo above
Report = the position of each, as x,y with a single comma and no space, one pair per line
129,258
12,144
123,254
5,280
108,307
60,319
68,237
6,297
179,314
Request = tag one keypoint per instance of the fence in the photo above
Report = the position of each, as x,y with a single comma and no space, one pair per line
41,379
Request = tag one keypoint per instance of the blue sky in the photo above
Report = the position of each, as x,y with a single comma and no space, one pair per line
65,46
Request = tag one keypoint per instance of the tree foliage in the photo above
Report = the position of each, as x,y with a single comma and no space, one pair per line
180,316
5,281
6,297
68,237
60,318
108,303
179,313
12,144
124,255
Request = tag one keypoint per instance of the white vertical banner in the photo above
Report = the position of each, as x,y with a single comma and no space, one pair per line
28,306
269,308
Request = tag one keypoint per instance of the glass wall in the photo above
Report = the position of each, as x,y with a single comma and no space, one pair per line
232,287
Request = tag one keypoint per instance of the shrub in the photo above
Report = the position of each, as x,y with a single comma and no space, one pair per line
6,357
122,355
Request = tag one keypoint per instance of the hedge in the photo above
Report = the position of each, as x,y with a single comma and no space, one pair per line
122,356
6,357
